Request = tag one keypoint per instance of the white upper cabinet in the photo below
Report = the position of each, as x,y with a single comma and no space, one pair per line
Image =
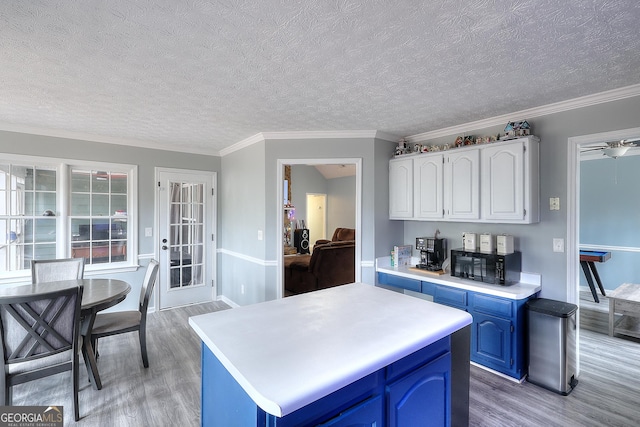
462,185
401,188
510,181
428,187
496,182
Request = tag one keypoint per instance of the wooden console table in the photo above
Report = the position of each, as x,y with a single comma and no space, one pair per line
625,299
587,262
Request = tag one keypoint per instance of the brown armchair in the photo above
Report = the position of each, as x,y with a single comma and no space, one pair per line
330,264
340,234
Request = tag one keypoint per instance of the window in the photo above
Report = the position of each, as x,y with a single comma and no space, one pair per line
27,215
99,207
43,218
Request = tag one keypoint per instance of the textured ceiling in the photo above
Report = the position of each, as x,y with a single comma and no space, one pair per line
199,76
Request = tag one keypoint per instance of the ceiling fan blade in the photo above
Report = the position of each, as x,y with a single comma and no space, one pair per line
586,150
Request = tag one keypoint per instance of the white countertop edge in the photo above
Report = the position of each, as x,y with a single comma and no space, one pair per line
266,404
517,291
309,393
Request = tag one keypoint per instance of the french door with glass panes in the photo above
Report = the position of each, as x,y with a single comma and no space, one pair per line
186,207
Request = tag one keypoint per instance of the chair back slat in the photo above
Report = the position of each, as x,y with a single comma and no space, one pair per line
150,278
52,270
37,326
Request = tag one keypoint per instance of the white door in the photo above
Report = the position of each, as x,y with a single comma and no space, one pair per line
316,217
186,207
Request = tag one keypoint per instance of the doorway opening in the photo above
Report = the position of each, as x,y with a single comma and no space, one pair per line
296,201
573,213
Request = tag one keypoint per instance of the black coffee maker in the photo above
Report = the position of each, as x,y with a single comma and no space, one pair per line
433,252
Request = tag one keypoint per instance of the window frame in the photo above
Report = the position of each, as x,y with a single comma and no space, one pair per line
63,168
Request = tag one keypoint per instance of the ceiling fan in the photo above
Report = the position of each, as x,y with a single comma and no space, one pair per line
613,149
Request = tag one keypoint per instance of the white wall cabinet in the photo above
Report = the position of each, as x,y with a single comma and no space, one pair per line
462,185
510,181
496,182
401,188
428,200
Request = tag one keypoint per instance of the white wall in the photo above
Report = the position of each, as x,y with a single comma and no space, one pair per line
341,208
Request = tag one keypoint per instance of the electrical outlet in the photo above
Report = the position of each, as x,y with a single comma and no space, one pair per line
242,289
148,232
554,203
558,245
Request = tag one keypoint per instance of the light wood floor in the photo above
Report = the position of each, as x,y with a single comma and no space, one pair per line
168,392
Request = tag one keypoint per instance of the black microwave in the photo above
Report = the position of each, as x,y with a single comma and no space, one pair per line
486,267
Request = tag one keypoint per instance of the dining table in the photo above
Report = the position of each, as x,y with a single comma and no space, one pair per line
98,295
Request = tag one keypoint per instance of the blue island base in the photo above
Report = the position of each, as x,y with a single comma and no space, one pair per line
419,389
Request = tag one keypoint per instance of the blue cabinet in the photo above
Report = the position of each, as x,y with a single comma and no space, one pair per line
408,395
491,342
498,331
415,390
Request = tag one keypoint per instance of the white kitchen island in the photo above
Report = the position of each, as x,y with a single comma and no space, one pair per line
349,354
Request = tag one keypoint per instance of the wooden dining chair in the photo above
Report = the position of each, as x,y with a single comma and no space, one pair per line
40,338
121,322
51,270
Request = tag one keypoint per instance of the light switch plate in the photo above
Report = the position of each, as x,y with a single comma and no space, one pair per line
558,245
148,232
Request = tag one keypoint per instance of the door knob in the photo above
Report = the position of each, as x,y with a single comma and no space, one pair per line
164,247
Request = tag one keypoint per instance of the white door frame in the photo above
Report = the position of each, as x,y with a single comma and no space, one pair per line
573,212
211,248
280,212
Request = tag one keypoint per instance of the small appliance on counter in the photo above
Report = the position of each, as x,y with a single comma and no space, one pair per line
492,267
433,252
504,244
487,243
469,241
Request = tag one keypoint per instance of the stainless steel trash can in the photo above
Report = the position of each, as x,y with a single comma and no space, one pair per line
552,344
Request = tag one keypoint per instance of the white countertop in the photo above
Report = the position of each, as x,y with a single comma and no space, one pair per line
517,291
293,351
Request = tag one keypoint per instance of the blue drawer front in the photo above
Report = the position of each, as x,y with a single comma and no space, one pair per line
492,305
368,413
451,296
399,282
428,288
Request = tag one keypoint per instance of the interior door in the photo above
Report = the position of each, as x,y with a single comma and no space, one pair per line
316,217
186,204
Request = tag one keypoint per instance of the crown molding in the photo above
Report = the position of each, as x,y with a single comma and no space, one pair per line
82,136
258,137
558,107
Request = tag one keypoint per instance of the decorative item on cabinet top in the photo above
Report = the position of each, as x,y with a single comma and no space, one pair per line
516,129
512,130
